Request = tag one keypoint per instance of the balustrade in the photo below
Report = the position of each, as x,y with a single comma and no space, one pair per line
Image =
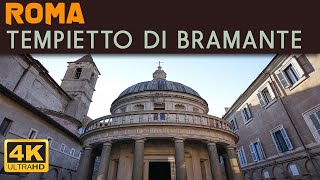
159,117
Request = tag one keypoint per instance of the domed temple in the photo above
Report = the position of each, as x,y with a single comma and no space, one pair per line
159,130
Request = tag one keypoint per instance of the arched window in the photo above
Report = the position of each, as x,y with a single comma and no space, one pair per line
179,107
77,74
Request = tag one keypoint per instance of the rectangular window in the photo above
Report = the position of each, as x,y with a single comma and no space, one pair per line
256,150
294,170
160,116
266,95
234,124
72,151
281,140
290,74
63,147
5,126
312,118
32,133
315,119
246,114
242,157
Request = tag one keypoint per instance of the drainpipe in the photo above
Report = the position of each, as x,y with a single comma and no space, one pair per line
293,124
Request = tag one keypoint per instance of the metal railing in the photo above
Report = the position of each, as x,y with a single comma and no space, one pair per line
159,117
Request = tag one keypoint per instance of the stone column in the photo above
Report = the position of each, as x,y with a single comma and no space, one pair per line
181,173
104,163
214,161
233,164
137,173
86,159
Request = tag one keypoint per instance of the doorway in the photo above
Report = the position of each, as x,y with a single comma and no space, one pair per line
159,171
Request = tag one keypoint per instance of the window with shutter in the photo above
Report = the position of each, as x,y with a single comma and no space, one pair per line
260,150
297,67
286,138
234,124
256,150
315,118
248,111
242,157
276,142
270,90
281,140
253,152
291,73
283,80
246,114
266,95
261,100
312,119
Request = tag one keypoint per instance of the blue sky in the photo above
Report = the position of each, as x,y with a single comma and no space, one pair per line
219,79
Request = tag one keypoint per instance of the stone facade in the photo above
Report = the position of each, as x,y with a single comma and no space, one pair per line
277,137
37,107
159,129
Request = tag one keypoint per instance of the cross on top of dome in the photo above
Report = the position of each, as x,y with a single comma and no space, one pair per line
159,73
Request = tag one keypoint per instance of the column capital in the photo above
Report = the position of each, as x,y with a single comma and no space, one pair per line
107,143
87,147
139,140
231,147
178,140
211,143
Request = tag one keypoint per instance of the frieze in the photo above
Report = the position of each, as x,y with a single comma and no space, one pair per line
164,131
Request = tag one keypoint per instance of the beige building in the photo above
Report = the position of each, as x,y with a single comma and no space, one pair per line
277,120
159,130
34,106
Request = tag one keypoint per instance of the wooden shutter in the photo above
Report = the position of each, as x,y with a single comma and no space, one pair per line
243,116
283,80
276,142
260,149
235,123
253,152
248,110
261,99
286,138
239,157
297,67
270,90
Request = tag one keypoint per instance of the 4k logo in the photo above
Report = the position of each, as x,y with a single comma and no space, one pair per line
26,155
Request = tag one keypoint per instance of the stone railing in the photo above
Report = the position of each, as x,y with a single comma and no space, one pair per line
173,117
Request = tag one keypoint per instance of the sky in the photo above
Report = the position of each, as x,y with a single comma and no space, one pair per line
219,79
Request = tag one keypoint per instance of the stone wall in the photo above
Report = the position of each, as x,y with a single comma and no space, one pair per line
23,121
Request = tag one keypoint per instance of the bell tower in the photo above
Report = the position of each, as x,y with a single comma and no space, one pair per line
79,83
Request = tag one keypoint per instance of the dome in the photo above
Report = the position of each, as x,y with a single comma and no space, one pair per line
159,83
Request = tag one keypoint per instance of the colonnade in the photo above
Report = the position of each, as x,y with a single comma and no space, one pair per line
232,166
